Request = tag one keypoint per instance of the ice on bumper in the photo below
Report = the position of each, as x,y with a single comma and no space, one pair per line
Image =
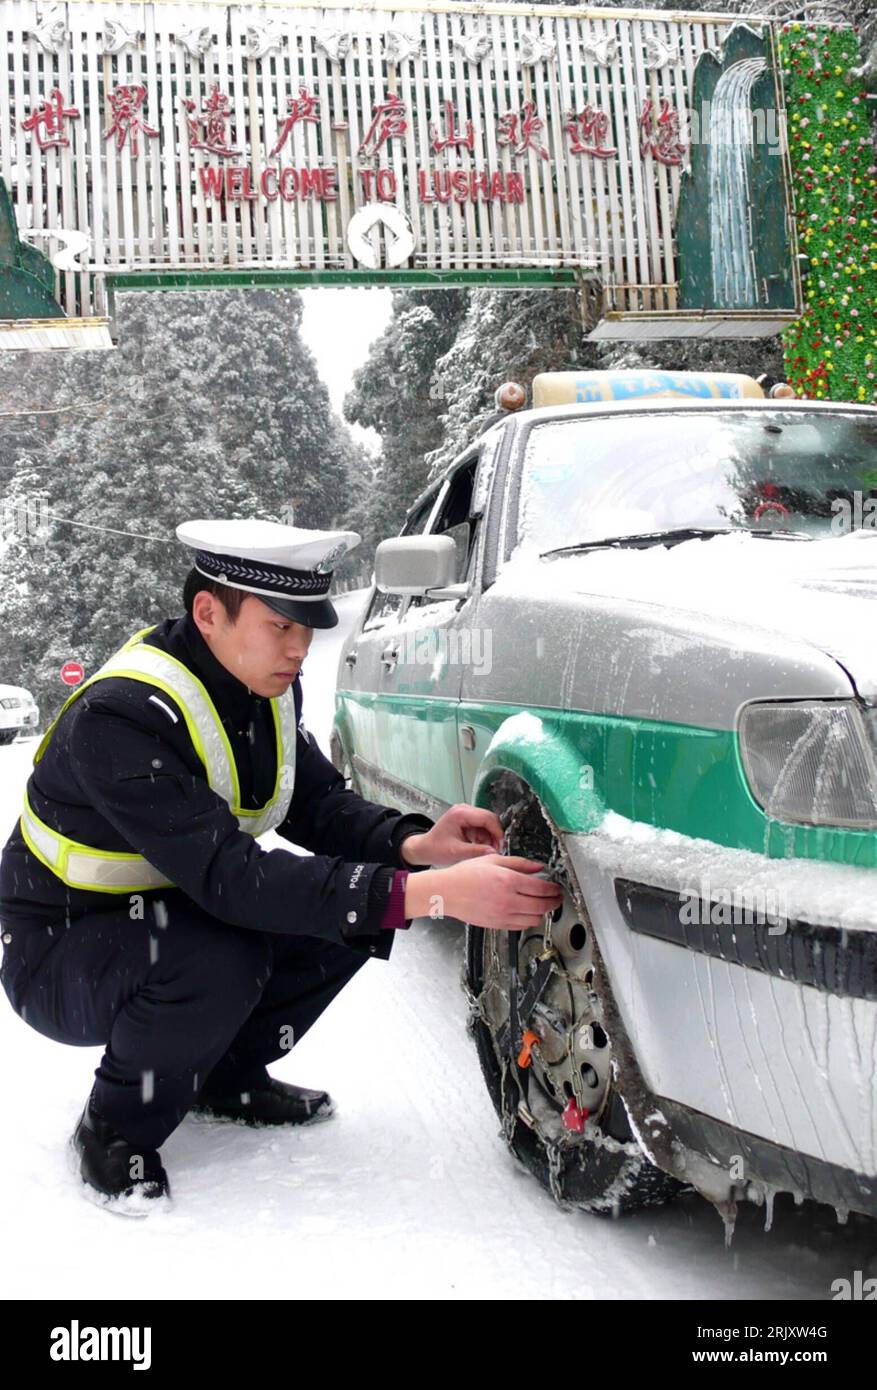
784,1060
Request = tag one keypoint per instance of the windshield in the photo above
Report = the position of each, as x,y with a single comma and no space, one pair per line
587,480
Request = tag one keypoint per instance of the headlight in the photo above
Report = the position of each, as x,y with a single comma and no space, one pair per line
812,762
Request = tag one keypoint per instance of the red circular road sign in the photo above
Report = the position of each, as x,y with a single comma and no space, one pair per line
71,673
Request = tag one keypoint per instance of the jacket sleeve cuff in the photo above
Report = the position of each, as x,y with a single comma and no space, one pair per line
379,893
364,893
394,918
413,824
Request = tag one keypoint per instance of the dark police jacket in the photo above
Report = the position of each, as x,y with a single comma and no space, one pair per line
119,774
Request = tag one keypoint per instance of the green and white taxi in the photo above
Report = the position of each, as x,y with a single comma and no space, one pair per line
639,621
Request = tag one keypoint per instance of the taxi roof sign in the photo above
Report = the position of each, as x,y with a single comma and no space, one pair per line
571,388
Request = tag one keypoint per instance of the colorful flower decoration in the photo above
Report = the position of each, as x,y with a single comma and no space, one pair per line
831,351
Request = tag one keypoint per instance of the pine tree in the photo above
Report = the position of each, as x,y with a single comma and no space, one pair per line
211,406
399,393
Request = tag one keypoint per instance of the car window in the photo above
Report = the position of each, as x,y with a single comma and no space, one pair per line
588,479
454,520
383,606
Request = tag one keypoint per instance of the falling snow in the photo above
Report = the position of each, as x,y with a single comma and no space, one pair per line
408,1188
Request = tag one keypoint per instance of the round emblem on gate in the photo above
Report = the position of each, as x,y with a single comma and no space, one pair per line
395,235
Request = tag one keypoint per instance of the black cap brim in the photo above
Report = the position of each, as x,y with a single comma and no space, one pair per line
313,613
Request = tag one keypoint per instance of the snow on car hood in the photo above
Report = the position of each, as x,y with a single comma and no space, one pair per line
822,592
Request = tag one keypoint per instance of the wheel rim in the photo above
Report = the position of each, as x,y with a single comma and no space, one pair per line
573,1059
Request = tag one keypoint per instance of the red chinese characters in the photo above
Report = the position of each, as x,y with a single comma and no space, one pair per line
304,108
125,104
587,130
660,136
521,130
47,121
451,136
389,119
207,130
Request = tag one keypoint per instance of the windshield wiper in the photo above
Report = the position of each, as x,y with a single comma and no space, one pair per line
640,541
672,536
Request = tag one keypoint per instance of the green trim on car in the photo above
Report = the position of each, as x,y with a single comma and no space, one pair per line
674,776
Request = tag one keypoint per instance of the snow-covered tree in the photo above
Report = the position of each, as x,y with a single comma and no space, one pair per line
212,406
399,393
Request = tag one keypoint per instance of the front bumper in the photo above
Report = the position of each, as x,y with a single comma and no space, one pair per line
761,1016
15,720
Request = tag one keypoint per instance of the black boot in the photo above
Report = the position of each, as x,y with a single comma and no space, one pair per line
117,1174
270,1102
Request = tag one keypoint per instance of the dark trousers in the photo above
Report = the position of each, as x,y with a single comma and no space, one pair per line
190,1006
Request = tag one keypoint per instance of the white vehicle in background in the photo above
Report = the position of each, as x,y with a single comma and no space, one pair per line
18,712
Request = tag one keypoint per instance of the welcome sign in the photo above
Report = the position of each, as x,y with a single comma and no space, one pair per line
154,144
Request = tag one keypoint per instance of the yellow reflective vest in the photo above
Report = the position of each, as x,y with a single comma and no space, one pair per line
109,871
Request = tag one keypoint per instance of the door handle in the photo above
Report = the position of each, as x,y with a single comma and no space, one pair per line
390,655
350,658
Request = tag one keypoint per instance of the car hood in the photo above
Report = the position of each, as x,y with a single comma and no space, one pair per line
821,592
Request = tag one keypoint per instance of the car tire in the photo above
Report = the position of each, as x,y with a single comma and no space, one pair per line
601,1168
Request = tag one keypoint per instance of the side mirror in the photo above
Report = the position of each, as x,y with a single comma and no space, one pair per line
413,565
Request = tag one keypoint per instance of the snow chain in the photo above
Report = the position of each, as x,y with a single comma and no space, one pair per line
514,1092
514,1081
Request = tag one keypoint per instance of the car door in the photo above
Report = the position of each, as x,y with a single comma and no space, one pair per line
417,649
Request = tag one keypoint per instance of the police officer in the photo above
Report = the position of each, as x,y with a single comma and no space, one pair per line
138,910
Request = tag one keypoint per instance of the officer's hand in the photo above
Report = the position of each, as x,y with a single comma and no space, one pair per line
494,891
464,832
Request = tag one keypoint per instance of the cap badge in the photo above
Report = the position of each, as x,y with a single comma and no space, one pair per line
329,558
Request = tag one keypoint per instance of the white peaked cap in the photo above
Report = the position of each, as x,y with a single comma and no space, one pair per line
288,567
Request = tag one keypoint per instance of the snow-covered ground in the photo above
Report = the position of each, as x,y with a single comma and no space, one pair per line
407,1192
